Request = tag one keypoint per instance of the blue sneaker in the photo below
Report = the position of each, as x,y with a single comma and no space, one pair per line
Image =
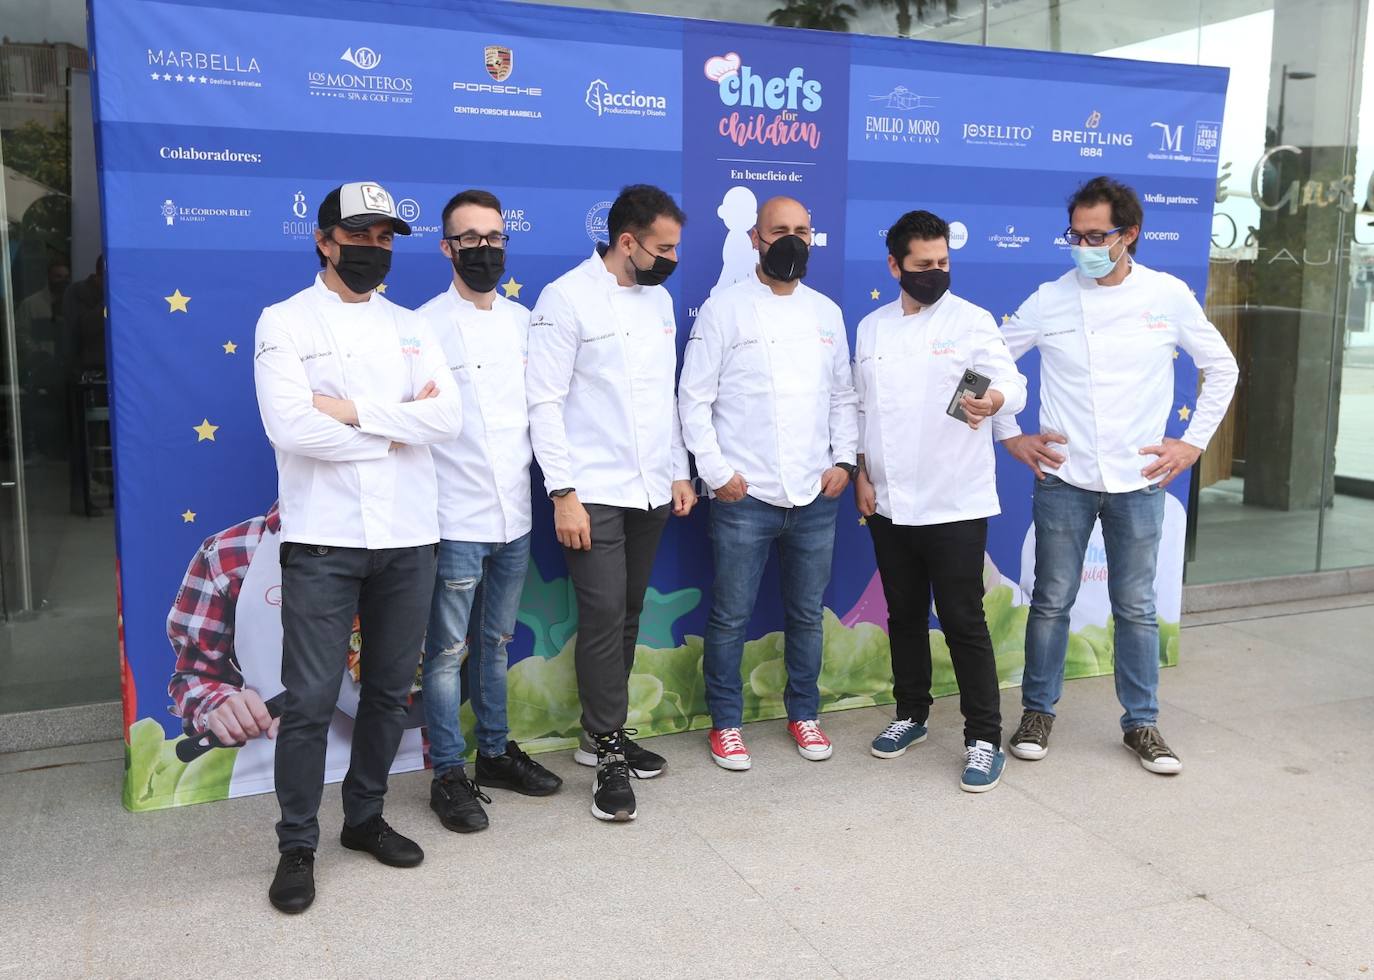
896,737
983,764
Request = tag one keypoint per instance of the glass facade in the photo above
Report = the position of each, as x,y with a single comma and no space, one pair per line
1286,487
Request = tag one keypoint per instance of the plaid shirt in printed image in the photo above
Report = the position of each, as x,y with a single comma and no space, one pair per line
201,622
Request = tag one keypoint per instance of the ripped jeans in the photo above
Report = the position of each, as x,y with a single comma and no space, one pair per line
476,594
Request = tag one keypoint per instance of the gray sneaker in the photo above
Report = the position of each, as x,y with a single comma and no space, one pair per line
1152,751
1032,738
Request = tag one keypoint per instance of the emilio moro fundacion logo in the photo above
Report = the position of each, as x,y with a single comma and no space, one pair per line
778,103
908,118
364,85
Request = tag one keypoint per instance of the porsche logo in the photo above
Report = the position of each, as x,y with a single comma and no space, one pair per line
500,61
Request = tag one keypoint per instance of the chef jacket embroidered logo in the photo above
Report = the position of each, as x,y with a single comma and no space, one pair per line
1155,321
827,336
410,345
939,348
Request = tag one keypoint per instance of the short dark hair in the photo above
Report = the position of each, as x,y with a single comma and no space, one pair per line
921,225
638,206
1126,209
483,199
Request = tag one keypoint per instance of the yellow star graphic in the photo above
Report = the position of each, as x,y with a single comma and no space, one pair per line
1175,353
1183,412
873,294
381,288
863,522
189,517
176,303
230,347
205,431
1006,318
512,288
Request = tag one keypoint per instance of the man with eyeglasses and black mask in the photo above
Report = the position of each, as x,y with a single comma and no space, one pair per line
768,409
604,423
1107,332
353,390
927,484
484,519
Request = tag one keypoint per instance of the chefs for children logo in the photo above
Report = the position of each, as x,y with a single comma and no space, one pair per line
942,346
364,85
827,336
765,109
1155,321
902,116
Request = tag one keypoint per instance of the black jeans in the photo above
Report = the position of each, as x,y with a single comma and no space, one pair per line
610,581
322,589
946,559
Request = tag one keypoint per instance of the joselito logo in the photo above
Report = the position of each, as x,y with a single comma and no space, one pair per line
365,85
909,119
191,68
605,100
777,101
1092,140
997,134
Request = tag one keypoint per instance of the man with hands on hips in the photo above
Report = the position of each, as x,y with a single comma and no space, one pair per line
1107,332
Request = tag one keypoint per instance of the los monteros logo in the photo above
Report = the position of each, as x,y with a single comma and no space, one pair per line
777,101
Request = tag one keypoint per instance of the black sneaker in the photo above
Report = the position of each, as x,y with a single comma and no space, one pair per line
516,771
646,764
612,798
293,888
376,837
455,798
1032,738
1149,747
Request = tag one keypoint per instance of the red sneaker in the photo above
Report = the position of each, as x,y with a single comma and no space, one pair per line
811,741
728,750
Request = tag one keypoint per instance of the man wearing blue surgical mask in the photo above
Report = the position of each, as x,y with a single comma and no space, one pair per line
1107,332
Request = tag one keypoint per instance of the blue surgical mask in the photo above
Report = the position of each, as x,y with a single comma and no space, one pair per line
1095,263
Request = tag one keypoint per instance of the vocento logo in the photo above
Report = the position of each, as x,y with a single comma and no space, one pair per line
606,101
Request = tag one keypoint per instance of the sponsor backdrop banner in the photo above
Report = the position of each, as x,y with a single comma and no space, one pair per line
221,126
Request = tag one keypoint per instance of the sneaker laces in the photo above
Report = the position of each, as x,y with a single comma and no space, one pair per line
731,741
898,728
1035,727
979,756
810,732
454,783
297,861
611,763
1152,743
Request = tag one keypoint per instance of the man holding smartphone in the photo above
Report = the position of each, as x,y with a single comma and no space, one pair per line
767,401
927,484
1108,331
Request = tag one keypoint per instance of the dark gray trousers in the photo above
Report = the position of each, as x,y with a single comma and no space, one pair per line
610,580
322,589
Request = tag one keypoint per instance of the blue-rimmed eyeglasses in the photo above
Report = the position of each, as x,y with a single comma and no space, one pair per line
1093,238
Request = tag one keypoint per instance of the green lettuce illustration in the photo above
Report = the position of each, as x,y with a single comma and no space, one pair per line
155,778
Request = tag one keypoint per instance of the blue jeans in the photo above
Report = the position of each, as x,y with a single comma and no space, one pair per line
476,592
742,534
1131,527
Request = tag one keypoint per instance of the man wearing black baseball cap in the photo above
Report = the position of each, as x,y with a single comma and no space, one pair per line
352,390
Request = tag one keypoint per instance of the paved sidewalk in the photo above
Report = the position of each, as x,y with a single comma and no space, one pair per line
1258,861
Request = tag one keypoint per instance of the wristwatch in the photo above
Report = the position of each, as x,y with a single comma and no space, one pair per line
561,493
849,468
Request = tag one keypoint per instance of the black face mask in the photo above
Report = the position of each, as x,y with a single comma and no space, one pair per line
363,267
786,258
480,268
657,273
926,287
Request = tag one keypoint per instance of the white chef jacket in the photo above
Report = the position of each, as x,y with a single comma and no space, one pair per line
484,474
603,416
340,485
927,467
1107,371
767,391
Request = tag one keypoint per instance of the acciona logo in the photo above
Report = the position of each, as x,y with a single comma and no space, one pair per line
364,85
607,101
196,154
